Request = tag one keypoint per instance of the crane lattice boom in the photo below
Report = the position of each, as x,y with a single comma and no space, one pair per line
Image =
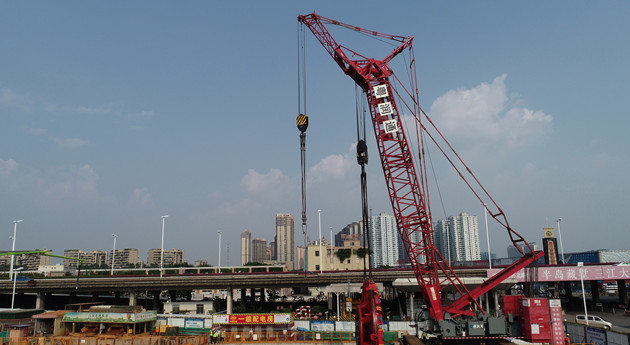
408,194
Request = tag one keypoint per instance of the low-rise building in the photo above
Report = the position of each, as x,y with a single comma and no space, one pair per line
189,307
347,257
56,270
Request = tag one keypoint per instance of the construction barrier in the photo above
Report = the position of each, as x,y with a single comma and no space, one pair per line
300,337
202,339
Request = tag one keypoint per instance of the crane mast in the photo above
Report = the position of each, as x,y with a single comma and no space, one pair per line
408,194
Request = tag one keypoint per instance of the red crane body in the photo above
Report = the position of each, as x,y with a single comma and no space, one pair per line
406,192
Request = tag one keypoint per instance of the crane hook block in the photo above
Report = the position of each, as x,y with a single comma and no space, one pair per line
362,154
302,122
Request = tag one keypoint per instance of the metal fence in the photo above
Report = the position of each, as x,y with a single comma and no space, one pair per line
582,334
201,339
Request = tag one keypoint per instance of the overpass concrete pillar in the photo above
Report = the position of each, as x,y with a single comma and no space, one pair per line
412,312
595,291
528,289
156,300
229,300
495,293
555,292
40,301
567,289
133,298
486,297
72,298
622,291
172,295
244,297
262,295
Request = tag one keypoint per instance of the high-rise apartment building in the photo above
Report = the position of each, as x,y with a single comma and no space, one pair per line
128,257
30,262
299,257
259,250
271,251
171,257
349,232
384,241
246,247
457,238
285,239
92,258
513,252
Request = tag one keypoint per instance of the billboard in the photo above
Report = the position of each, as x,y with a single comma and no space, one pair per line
249,319
550,245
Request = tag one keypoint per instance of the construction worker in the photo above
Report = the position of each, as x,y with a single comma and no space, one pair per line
567,340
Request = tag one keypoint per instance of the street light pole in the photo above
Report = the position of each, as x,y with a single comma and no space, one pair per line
219,232
321,260
113,253
332,249
580,264
485,213
560,234
162,248
15,223
14,280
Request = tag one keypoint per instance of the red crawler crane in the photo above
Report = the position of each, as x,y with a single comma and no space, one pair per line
407,193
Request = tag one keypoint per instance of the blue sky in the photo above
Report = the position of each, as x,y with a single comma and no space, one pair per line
116,113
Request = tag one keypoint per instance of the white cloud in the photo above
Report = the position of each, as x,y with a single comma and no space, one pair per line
34,130
71,143
53,108
482,114
255,182
89,111
141,196
7,166
79,182
146,114
522,126
11,99
333,167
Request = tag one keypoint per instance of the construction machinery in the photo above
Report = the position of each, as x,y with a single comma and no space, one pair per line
406,183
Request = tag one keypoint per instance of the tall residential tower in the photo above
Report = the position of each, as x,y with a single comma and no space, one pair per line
457,238
246,247
285,239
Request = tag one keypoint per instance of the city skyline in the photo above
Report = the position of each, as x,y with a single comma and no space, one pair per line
115,114
352,227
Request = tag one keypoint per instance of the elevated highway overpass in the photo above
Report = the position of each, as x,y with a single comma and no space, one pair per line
400,279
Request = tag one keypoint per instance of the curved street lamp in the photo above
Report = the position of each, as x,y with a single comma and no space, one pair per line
321,259
113,253
162,248
219,232
15,223
14,280
560,234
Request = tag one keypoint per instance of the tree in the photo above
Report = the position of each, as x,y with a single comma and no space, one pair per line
362,251
344,254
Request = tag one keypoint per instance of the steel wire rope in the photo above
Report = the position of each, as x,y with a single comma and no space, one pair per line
362,159
301,62
420,140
